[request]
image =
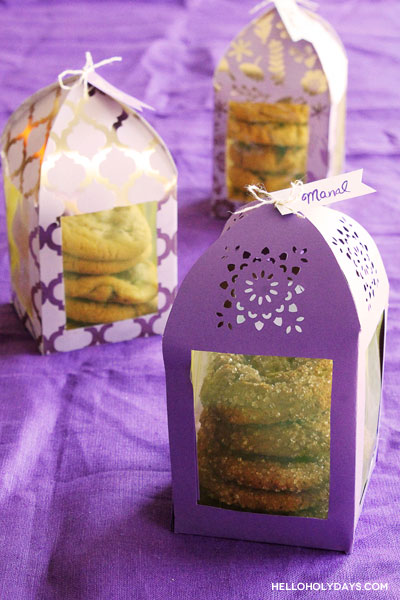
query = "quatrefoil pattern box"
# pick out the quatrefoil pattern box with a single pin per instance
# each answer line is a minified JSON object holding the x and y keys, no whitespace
{"x":274,"y":391}
{"x":92,"y":217}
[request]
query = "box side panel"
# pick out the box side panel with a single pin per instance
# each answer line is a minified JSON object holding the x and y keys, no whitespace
{"x":24,"y":144}
{"x":370,"y":374}
{"x":103,"y":159}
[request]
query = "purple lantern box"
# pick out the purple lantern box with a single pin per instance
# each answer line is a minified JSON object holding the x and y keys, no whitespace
{"x":280,"y":102}
{"x":274,"y":354}
{"x":92,"y":215}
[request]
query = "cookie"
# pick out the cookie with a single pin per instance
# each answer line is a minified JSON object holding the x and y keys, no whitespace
{"x":243,"y":391}
{"x":277,"y":134}
{"x":281,"y":112}
{"x":257,"y":157}
{"x":75,"y":264}
{"x":267,"y":474}
{"x":306,"y":439}
{"x":240,"y":497}
{"x":134,"y":286}
{"x":119,"y":234}
{"x":238,"y":178}
{"x":259,"y":471}
{"x":86,"y":311}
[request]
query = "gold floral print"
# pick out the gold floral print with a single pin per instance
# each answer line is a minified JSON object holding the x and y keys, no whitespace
{"x":307,"y":56}
{"x":263,"y":27}
{"x":283,"y":33}
{"x":276,"y":64}
{"x":223,"y":66}
{"x":253,"y":70}
{"x":240,"y":49}
{"x":314,"y":82}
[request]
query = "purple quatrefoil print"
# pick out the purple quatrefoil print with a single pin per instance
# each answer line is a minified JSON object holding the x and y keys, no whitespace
{"x":43,"y":293}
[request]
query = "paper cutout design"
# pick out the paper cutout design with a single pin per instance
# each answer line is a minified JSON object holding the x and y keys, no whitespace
{"x":64,"y":154}
{"x":266,"y":298}
{"x":351,"y":242}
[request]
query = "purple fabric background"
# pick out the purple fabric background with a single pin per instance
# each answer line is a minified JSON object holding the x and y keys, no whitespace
{"x":85,"y":494}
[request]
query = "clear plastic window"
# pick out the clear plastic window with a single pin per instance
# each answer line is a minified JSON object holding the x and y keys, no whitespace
{"x":267,"y":144}
{"x":373,"y":398}
{"x":110,"y":265}
{"x":263,"y":432}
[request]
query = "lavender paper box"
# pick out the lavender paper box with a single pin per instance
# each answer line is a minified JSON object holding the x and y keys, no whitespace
{"x":65,"y":155}
{"x":320,"y":295}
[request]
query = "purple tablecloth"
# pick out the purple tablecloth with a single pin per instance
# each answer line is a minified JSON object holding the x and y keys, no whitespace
{"x":85,"y":486}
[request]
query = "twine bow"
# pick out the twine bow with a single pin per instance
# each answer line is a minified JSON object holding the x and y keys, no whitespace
{"x":84,"y":73}
{"x":306,"y":3}
{"x":263,"y":197}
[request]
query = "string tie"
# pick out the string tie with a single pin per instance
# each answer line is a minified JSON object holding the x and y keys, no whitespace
{"x":264,"y":197}
{"x":84,"y":73}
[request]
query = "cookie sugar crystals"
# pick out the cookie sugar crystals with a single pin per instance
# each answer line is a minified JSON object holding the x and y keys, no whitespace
{"x":274,"y":390}
{"x":91,"y":212}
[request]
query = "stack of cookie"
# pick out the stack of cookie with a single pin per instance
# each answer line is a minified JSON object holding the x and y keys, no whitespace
{"x":264,"y":439}
{"x":266,"y":144}
{"x":109,"y":272}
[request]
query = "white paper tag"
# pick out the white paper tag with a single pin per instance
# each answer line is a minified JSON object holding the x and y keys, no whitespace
{"x":292,"y":17}
{"x":109,"y":89}
{"x":321,"y":193}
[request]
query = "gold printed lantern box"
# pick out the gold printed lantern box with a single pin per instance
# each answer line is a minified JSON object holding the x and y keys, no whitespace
{"x":91,"y":215}
{"x":280,"y":92}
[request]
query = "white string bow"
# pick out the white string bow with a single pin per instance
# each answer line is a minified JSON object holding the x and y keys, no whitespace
{"x":263,"y":197}
{"x":84,"y":73}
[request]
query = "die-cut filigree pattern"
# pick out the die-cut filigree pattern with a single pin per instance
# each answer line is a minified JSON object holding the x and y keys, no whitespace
{"x":268,"y":299}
